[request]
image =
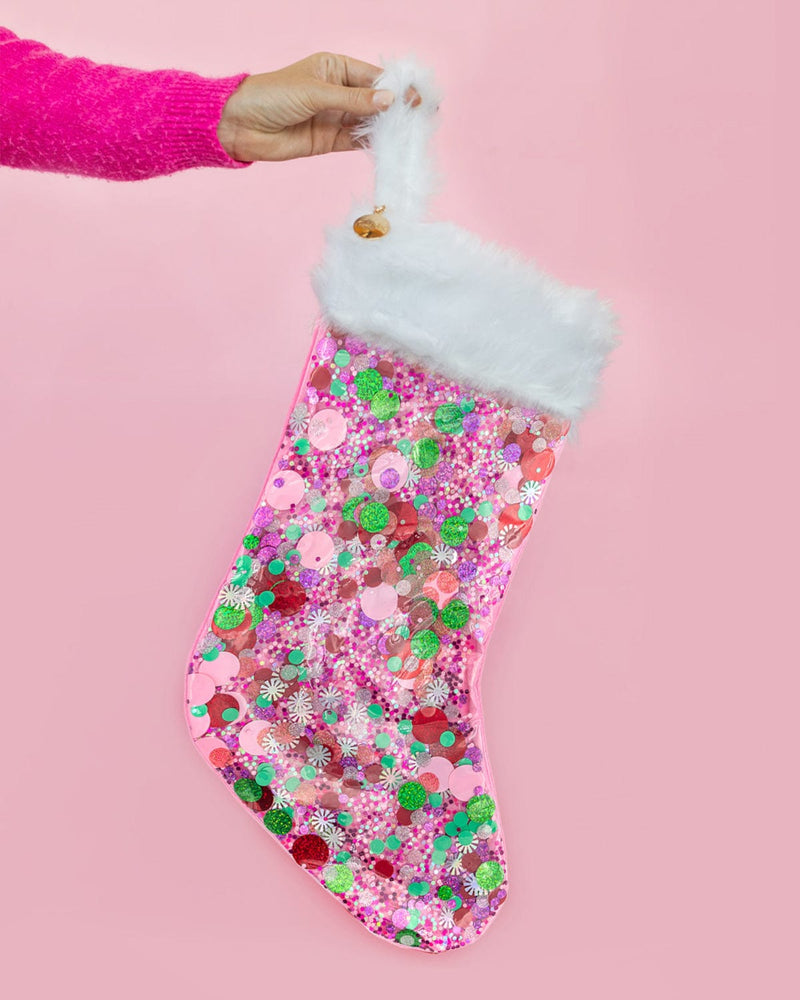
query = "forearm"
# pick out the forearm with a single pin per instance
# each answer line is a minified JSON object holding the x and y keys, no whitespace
{"x":70,"y":115}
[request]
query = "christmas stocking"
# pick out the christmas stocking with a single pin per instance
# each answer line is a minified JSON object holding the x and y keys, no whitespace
{"x":334,"y":686}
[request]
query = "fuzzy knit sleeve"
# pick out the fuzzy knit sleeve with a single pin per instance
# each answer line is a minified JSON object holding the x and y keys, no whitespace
{"x":70,"y":115}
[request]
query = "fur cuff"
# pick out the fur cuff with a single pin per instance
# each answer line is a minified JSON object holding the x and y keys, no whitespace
{"x":438,"y":295}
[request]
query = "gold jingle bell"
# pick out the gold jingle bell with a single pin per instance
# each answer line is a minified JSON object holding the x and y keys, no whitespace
{"x":374,"y":225}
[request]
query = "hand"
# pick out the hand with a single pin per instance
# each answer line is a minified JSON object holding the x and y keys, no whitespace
{"x":302,"y":110}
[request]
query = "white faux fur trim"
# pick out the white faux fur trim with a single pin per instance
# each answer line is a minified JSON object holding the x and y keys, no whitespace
{"x":438,"y":295}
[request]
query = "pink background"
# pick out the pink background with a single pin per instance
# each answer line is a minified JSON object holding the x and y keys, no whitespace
{"x":152,"y":337}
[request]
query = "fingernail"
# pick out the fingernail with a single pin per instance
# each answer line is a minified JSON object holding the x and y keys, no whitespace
{"x":382,"y":99}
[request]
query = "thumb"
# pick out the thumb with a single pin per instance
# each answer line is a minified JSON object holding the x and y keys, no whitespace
{"x":359,"y":101}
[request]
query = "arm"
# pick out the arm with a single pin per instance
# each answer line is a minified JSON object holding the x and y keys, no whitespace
{"x":75,"y":116}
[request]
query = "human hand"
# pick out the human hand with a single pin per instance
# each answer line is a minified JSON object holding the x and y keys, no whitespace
{"x":302,"y":110}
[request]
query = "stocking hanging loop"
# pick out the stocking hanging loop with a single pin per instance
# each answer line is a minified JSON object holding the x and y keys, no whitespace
{"x":398,"y":140}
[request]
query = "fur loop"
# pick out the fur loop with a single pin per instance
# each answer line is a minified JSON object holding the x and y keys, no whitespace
{"x":398,"y":140}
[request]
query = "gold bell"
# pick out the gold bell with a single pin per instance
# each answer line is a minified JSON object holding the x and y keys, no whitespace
{"x":374,"y":225}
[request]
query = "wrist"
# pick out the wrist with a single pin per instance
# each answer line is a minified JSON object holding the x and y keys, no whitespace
{"x":194,"y":112}
{"x":229,"y":124}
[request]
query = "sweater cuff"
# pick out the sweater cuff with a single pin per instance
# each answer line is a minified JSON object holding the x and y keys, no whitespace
{"x":192,"y":111}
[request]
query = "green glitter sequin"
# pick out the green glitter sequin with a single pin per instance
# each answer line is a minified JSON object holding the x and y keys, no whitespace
{"x":425,"y":453}
{"x":489,"y":875}
{"x":278,"y":821}
{"x":454,"y":531}
{"x":368,"y":383}
{"x":338,"y":878}
{"x":480,"y":808}
{"x":385,"y":404}
{"x":247,"y":789}
{"x":425,"y":644}
{"x":455,"y":614}
{"x":411,"y":795}
{"x":228,"y":618}
{"x":374,"y":517}
{"x":449,"y":419}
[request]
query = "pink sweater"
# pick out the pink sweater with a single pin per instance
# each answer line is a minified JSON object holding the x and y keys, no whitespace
{"x":77,"y":117}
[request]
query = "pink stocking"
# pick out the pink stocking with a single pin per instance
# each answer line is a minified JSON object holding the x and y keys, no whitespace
{"x":334,"y":686}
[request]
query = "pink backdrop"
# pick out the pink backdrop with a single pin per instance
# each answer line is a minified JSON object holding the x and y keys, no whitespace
{"x":152,"y":336}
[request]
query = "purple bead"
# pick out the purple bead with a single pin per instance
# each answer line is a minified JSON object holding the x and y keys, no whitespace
{"x":471,"y":423}
{"x":265,"y":630}
{"x":466,"y":571}
{"x":444,"y":472}
{"x":326,"y":348}
{"x":473,"y":754}
{"x":512,"y":452}
{"x":262,"y":517}
{"x":390,"y":478}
